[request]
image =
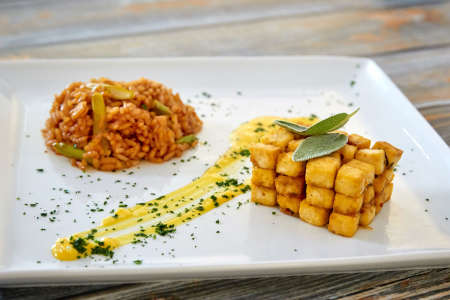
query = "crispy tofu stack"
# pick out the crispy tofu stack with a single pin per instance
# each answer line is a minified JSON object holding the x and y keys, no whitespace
{"x":276,"y":179}
{"x":342,"y":191}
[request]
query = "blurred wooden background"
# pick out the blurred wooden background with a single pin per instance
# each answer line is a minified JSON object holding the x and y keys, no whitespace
{"x":409,"y":39}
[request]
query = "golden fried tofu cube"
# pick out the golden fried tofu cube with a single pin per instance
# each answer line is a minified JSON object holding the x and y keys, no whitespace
{"x":263,"y":195}
{"x":263,"y":177}
{"x":336,"y":155}
{"x":291,"y":202}
{"x":343,"y":224}
{"x":350,"y":181}
{"x":264,"y":156}
{"x":382,"y":180}
{"x":347,"y":152}
{"x":393,"y":154}
{"x":347,"y":205}
{"x":279,"y":137}
{"x":286,"y":166}
{"x":292,"y":146}
{"x":359,"y":141}
{"x":369,"y":194}
{"x":319,"y":197}
{"x":367,"y":214}
{"x":321,"y":172}
{"x":388,"y":192}
{"x":290,"y":185}
{"x":367,"y":168}
{"x":379,"y":201}
{"x":313,"y":215}
{"x":375,"y":157}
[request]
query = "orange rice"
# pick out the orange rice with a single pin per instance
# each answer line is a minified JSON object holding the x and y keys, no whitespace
{"x":134,"y":131}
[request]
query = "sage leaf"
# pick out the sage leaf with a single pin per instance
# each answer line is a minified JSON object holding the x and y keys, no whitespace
{"x":329,"y":124}
{"x":319,"y":145}
{"x":295,"y":128}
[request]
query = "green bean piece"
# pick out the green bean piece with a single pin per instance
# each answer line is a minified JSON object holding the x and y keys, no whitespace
{"x":118,"y":92}
{"x":68,"y":150}
{"x":99,"y":112}
{"x":161,"y":109}
{"x":187,"y":139}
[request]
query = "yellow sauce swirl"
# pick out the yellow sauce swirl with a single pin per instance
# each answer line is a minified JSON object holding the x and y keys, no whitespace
{"x":173,"y":209}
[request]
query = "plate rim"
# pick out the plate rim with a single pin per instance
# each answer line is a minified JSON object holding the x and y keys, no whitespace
{"x":413,"y":259}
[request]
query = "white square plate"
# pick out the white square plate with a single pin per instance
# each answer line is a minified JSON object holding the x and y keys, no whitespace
{"x":411,"y":231}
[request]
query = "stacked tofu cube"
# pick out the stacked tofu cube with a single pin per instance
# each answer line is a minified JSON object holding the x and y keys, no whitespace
{"x":341,"y":191}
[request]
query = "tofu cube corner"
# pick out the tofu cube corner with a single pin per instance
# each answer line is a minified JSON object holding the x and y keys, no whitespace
{"x":359,"y":141}
{"x":319,"y":197}
{"x":280,"y":137}
{"x":264,"y":156}
{"x":367,"y":168}
{"x":382,"y":180}
{"x":375,"y":157}
{"x":393,"y":154}
{"x":292,"y":146}
{"x":313,"y":215}
{"x":263,"y":195}
{"x":290,"y":185}
{"x":263,"y":177}
{"x":286,"y":166}
{"x":347,"y":205}
{"x":350,"y":181}
{"x":343,"y":224}
{"x":367,"y":214}
{"x":321,"y":172}
{"x":347,"y":152}
{"x":291,"y":202}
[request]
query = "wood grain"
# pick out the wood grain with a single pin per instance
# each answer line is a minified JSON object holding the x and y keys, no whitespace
{"x":350,"y":32}
{"x":400,"y":285}
{"x":32,"y":23}
{"x":422,"y":75}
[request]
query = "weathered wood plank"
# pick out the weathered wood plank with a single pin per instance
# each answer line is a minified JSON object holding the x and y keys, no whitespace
{"x":31,"y":23}
{"x":359,"y":32}
{"x":400,"y":284}
{"x":422,"y":75}
{"x":438,"y":114}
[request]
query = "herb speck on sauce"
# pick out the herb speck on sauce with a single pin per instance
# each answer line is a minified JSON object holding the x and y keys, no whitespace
{"x":40,"y":170}
{"x":137,"y":262}
{"x":352,"y":83}
{"x":312,"y":117}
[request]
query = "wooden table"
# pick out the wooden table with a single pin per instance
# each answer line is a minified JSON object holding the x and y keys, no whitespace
{"x":409,"y":39}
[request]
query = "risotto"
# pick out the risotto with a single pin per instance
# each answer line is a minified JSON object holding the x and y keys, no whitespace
{"x":112,"y":125}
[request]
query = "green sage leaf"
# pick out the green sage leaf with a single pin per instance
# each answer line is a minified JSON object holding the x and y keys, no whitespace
{"x":295,"y":128}
{"x":319,"y":145}
{"x":329,"y":124}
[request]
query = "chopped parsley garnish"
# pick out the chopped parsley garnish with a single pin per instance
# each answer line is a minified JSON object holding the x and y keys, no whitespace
{"x":79,"y":244}
{"x":228,"y":182}
{"x":164,"y":229}
{"x":40,"y":170}
{"x":245,"y":152}
{"x":138,"y":262}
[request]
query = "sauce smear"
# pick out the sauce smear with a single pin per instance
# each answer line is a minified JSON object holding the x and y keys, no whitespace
{"x":161,"y":215}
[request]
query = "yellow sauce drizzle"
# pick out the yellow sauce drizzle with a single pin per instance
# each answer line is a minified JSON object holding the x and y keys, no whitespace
{"x":173,"y":209}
